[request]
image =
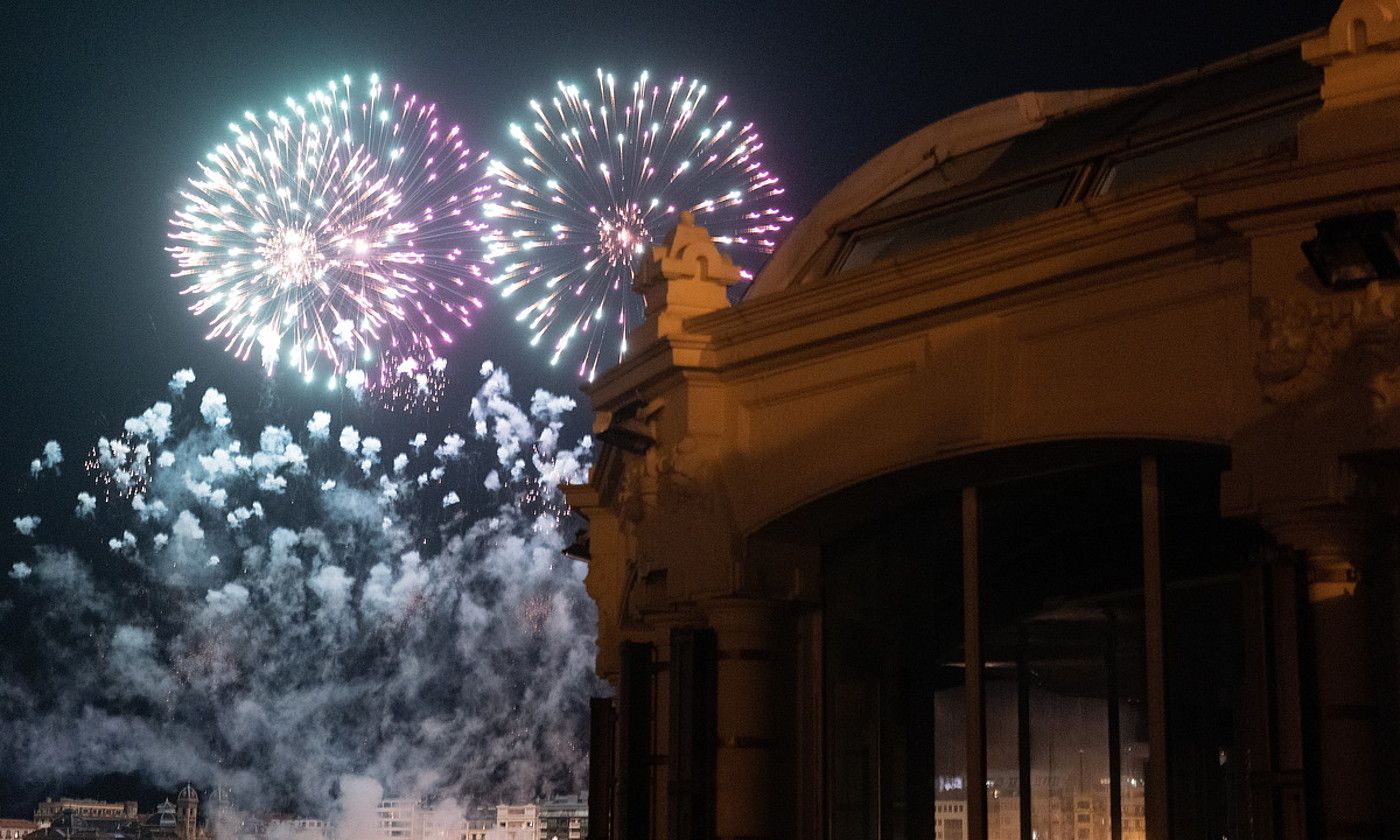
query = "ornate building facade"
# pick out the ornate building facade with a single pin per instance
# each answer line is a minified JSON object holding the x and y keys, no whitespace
{"x":1043,"y":486}
{"x":90,"y":819}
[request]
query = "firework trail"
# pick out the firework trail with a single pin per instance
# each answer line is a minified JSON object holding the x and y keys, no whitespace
{"x":407,"y":384}
{"x":335,"y":230}
{"x":598,"y":182}
{"x":273,"y":612}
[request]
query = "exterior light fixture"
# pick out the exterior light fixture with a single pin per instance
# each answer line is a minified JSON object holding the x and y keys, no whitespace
{"x":578,"y":549}
{"x":628,"y":434}
{"x":1351,"y":251}
{"x":628,"y":428}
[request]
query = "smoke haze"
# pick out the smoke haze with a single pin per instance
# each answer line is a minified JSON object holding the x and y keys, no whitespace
{"x":302,"y":612}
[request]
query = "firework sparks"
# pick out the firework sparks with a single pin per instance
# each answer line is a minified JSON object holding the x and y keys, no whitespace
{"x":335,"y":230}
{"x":120,"y":467}
{"x":535,"y":610}
{"x":598,"y":183}
{"x":409,"y":384}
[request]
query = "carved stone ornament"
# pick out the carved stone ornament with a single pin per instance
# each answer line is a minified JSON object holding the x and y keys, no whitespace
{"x":1307,"y":344}
{"x":686,"y":274}
{"x":670,"y":505}
{"x":1358,"y":53}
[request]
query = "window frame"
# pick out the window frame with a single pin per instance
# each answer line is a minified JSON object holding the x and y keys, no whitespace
{"x":1087,"y":171}
{"x":892,"y":218}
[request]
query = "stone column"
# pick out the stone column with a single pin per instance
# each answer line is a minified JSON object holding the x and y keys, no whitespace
{"x":1335,"y":542}
{"x":746,"y":756}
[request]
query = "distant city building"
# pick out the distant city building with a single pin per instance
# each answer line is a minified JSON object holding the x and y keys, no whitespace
{"x":395,"y":818}
{"x":51,"y":808}
{"x":441,"y":823}
{"x":399,"y":819}
{"x":478,"y":821}
{"x":950,"y":819}
{"x":564,"y":818}
{"x":516,"y":822}
{"x":1063,"y":807}
{"x":16,"y":829}
{"x":90,"y":819}
{"x":187,"y":813}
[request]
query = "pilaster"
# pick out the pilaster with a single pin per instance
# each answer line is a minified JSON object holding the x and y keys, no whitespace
{"x":747,"y":765}
{"x":1335,"y":542}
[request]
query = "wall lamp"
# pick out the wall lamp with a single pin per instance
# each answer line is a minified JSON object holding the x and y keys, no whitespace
{"x":629,"y":427}
{"x":1351,"y":251}
{"x":578,"y":549}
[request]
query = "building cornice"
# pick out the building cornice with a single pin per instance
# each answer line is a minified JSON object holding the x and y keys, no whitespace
{"x":1066,"y":242}
{"x":1301,"y":192}
{"x":986,"y":266}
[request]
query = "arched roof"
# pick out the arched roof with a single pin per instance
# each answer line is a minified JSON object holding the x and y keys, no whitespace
{"x":1081,"y":134}
{"x":953,"y":136}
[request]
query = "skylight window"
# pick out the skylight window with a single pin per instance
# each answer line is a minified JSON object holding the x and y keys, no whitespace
{"x":913,"y":233}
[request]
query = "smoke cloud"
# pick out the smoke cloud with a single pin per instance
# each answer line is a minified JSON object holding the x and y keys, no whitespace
{"x":311,"y":621}
{"x":26,"y":524}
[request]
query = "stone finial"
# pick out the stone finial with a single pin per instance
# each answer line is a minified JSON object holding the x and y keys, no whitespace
{"x":1359,"y":54}
{"x":683,"y":277}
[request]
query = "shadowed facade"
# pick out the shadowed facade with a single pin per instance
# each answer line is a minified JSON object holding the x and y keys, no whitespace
{"x":1042,"y":486}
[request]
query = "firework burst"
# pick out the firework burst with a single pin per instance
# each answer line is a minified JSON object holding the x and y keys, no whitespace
{"x":599,"y":181}
{"x":335,"y":230}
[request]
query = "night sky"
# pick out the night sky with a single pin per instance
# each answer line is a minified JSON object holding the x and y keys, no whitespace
{"x":106,"y":110}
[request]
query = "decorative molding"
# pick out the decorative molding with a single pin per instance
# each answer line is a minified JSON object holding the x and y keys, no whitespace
{"x":1301,"y":341}
{"x":681,"y":278}
{"x":1307,"y":344}
{"x":1358,"y":53}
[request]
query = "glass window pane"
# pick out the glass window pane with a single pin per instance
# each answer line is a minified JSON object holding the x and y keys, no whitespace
{"x":1221,"y":90}
{"x":902,"y":237}
{"x":894,"y":678}
{"x":951,"y":173}
{"x":1003,"y":774}
{"x":1250,"y":141}
{"x":1203,"y":557}
{"x":1062,"y":634}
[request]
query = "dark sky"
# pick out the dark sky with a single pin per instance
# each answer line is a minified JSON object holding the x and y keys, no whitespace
{"x":106,"y":107}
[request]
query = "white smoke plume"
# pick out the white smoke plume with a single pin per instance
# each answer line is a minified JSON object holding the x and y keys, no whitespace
{"x":53,"y":455}
{"x":319,"y":426}
{"x":310,"y":625}
{"x":180,"y":381}
{"x":49,"y":460}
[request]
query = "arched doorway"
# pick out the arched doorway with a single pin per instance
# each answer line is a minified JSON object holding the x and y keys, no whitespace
{"x":1071,"y":627}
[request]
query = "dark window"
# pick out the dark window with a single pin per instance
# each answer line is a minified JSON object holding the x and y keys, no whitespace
{"x":950,"y":173}
{"x":1212,"y":571}
{"x":1253,"y":140}
{"x":1061,"y":617}
{"x":601,"y":766}
{"x":634,"y":742}
{"x":911,"y":234}
{"x":693,"y":734}
{"x":894,"y":676}
{"x":1062,"y":631}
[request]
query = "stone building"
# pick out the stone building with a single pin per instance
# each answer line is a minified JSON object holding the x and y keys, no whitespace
{"x":564,"y":818}
{"x":50,"y":808}
{"x":1056,"y":450}
{"x":12,"y":829}
{"x":87,"y":819}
